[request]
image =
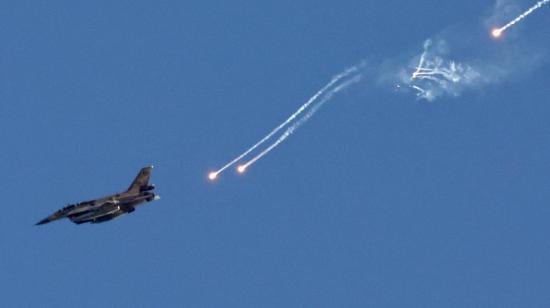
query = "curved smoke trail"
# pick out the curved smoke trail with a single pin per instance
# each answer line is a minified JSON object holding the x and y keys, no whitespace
{"x":293,"y":116}
{"x":301,"y":121}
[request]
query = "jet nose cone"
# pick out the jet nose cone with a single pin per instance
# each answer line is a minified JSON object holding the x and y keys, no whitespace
{"x":43,"y":221}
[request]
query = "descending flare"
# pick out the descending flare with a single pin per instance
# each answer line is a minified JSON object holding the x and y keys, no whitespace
{"x":333,"y":82}
{"x":212,"y":176}
{"x":498,"y":32}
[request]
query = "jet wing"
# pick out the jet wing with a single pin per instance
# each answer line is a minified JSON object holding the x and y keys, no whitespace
{"x":105,"y":209}
{"x":141,"y":180}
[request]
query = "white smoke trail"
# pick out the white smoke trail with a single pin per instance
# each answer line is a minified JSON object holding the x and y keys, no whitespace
{"x":293,"y":116}
{"x":440,"y":70}
{"x":434,"y":75}
{"x":420,"y":66}
{"x":499,"y":31}
{"x":289,"y":131}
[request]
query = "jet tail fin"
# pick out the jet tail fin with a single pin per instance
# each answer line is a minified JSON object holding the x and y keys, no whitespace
{"x":141,"y":180}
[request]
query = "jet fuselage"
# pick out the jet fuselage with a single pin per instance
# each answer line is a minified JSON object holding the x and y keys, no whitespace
{"x":109,"y":207}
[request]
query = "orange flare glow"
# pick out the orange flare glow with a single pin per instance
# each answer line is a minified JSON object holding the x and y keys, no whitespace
{"x":212,"y":176}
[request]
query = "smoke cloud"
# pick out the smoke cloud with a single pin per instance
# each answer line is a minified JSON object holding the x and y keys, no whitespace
{"x":467,"y":58}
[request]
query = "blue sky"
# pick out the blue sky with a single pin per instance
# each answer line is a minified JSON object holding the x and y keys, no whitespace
{"x":380,"y":200}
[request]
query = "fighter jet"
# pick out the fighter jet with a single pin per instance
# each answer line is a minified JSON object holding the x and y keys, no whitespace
{"x":110,"y":207}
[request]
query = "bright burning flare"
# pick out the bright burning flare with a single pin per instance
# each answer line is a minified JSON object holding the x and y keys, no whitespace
{"x":241,"y":168}
{"x":496,"y":33}
{"x":212,"y":176}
